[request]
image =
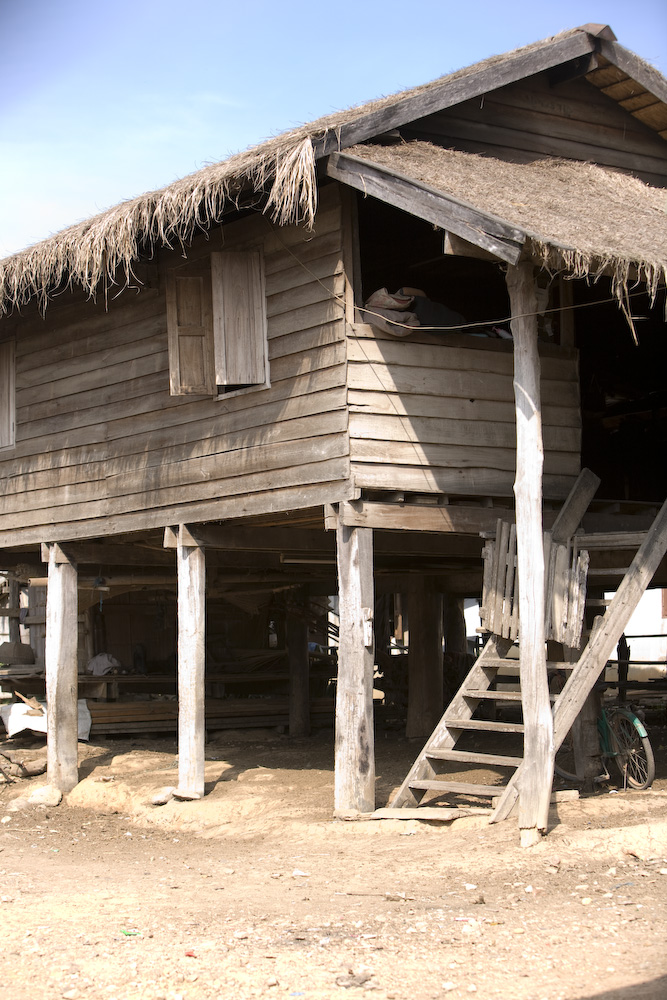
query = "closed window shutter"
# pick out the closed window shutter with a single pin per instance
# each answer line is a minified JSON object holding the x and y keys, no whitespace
{"x":7,"y":408}
{"x":239,"y":319}
{"x":190,"y":327}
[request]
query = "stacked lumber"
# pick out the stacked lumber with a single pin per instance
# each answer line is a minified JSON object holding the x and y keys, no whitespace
{"x":160,"y":716}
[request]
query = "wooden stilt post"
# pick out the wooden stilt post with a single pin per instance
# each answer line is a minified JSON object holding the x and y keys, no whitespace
{"x":354,"y":774}
{"x":191,"y":570}
{"x":537,"y":774}
{"x":299,"y":668}
{"x":457,"y":664}
{"x":14,"y":627}
{"x":425,"y":678}
{"x":62,"y":748}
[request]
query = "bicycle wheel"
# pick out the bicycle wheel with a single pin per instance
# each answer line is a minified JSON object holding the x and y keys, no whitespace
{"x":564,"y":765}
{"x":633,"y":752}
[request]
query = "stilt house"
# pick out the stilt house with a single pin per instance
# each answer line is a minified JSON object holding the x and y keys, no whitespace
{"x":355,"y":344}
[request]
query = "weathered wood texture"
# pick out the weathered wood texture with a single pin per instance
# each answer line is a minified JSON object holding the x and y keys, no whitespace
{"x":440,"y":417}
{"x":354,"y":776}
{"x":537,"y":777}
{"x":61,"y":674}
{"x":532,"y":119}
{"x":101,"y":444}
{"x":191,"y":570}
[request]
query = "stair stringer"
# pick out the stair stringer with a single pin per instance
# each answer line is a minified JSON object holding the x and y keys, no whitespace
{"x":600,"y":647}
{"x":479,"y":677}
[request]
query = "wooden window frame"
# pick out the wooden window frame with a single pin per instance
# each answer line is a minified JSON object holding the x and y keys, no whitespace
{"x":7,"y":395}
{"x":222,"y":326}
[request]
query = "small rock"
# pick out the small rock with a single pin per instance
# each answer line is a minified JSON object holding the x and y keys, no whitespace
{"x":47,"y":795}
{"x":272,"y":981}
{"x":354,"y":979}
{"x":163,"y":796}
{"x":448,"y":986}
{"x":586,"y":901}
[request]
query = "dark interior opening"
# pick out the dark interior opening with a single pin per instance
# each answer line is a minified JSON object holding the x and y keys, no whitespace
{"x":623,"y":393}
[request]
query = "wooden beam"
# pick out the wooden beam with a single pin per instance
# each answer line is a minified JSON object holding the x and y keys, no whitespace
{"x":570,"y":515}
{"x":296,"y":633}
{"x":425,"y":202}
{"x":354,"y":770}
{"x":62,"y":748}
{"x":191,"y":571}
{"x":453,"y":90}
{"x":643,"y":73}
{"x":425,"y":670}
{"x":537,"y":774}
{"x":13,"y":598}
{"x":236,"y":538}
{"x":454,"y":246}
{"x":97,"y":554}
{"x":462,"y":520}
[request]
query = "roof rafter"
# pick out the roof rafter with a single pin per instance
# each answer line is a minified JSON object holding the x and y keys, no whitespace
{"x":425,"y":202}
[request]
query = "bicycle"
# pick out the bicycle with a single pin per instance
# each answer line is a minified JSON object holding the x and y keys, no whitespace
{"x":623,"y":739}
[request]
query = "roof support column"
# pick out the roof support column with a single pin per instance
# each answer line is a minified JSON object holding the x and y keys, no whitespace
{"x":354,"y":770}
{"x":191,"y":572}
{"x":62,"y":746}
{"x":537,"y":773}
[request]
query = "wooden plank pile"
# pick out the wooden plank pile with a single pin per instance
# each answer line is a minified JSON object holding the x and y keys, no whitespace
{"x":161,"y":716}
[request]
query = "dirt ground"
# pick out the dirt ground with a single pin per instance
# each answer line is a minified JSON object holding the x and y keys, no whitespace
{"x":256,"y":892}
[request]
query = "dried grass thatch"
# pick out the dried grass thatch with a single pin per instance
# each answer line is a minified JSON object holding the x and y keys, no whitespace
{"x":582,"y":218}
{"x":281,"y":171}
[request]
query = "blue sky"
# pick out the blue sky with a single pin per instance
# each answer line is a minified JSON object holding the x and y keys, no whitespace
{"x":101,"y":102}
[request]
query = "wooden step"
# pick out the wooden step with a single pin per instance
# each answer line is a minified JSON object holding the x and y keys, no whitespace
{"x":470,"y":757}
{"x":481,"y":724}
{"x":479,"y":694}
{"x":498,"y":662}
{"x":462,"y":787}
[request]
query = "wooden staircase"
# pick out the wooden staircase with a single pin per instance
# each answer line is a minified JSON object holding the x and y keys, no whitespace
{"x":500,"y":652}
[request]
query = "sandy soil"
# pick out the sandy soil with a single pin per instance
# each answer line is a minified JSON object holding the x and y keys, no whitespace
{"x":256,"y":892}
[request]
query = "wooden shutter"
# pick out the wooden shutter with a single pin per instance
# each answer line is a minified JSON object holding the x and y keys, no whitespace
{"x":190,"y":328}
{"x":7,"y":407}
{"x":239,"y":319}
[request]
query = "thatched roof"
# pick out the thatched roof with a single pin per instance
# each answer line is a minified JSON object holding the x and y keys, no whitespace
{"x":280,"y":171}
{"x":580,"y":217}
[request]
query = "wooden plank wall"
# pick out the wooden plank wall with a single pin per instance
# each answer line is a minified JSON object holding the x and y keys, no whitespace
{"x":533,"y":119}
{"x":440,"y":417}
{"x":102,"y":446}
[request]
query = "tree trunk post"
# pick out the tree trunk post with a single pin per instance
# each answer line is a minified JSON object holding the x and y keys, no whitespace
{"x":537,"y":774}
{"x":425,"y":659}
{"x":61,"y":670}
{"x":191,"y":572}
{"x":354,"y":770}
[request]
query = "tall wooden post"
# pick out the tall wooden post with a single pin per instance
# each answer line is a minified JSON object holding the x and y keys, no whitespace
{"x":456,"y":644}
{"x":537,"y":773}
{"x":60,"y":654}
{"x":299,"y":668}
{"x":13,"y":605}
{"x":425,"y":662}
{"x":191,"y":570}
{"x":354,"y":772}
